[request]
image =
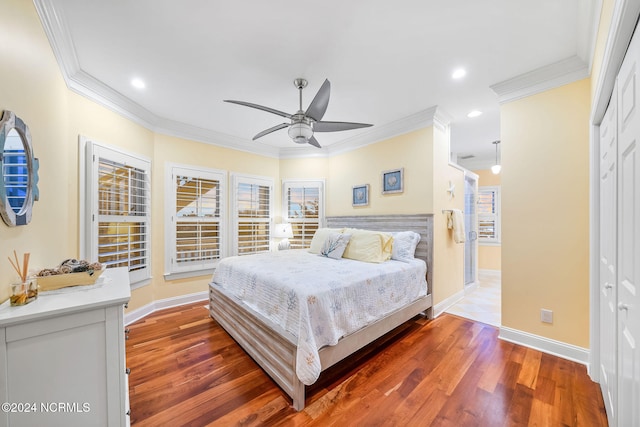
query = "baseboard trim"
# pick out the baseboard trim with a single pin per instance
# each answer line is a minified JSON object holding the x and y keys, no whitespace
{"x":471,"y":287}
{"x":490,"y":272}
{"x":142,"y":312}
{"x":546,"y":345}
{"x":444,"y":305}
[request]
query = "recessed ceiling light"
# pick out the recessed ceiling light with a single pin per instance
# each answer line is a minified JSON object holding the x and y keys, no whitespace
{"x":138,"y":83}
{"x":474,"y":113}
{"x":459,"y":73}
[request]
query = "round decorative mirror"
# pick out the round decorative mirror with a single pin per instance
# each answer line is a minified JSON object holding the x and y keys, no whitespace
{"x":18,"y":187}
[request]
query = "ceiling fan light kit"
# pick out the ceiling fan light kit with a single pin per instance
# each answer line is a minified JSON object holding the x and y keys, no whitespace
{"x":304,"y":123}
{"x":300,"y":132}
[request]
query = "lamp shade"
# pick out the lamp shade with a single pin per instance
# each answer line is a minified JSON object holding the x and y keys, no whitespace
{"x":300,"y":132}
{"x":496,"y":168}
{"x":283,"y":231}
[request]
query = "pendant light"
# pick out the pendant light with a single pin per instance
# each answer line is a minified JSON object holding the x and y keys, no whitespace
{"x":496,"y":168}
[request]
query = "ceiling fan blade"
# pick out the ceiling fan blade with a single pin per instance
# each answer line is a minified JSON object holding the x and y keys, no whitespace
{"x":320,"y":102}
{"x":313,"y":141}
{"x":271,"y":129}
{"x":337,"y":126}
{"x":260,"y":107}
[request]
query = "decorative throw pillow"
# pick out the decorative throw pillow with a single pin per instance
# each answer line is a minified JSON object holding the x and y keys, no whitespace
{"x":319,"y":238}
{"x":335,"y":245}
{"x":368,"y":246}
{"x":404,"y":245}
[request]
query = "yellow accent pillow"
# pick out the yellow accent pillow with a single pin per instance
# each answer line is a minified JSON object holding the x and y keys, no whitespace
{"x":368,"y":246}
{"x":319,"y":237}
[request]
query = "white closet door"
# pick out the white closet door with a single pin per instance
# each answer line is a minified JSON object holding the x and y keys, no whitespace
{"x":629,"y":238}
{"x":608,"y":295}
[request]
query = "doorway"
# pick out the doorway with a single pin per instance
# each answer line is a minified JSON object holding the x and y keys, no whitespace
{"x":471,"y":227}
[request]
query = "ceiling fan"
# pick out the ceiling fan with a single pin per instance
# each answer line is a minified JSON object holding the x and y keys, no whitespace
{"x":305,"y":123}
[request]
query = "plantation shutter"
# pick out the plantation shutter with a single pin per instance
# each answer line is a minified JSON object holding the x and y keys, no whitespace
{"x":198,"y":215}
{"x":121,"y":221}
{"x":303,"y":207}
{"x":253,"y":215}
{"x":488,"y":214}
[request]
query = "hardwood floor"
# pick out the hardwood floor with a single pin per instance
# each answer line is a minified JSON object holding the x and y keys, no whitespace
{"x":450,"y":371}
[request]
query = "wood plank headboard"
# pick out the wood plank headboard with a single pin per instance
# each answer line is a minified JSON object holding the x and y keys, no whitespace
{"x":420,"y":223}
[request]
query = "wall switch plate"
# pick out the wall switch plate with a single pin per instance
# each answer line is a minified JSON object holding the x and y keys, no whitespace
{"x":546,"y":316}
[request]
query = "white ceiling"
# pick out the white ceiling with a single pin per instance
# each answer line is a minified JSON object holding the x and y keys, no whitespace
{"x":388,"y":62}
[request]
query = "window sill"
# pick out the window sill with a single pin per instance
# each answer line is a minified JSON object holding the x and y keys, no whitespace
{"x":188,"y":274}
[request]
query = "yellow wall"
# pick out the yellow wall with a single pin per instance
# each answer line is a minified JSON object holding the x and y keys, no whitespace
{"x":307,"y":168}
{"x":32,"y":88}
{"x":487,"y":178}
{"x":545,"y":213}
{"x":489,"y":256}
{"x":424,"y":156}
{"x":412,"y":151}
{"x":168,"y":149}
{"x":448,"y":256}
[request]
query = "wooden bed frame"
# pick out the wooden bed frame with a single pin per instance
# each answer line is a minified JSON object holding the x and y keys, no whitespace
{"x":274,"y":349}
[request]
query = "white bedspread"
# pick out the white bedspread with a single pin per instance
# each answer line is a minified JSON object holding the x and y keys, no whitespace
{"x":317,"y":299}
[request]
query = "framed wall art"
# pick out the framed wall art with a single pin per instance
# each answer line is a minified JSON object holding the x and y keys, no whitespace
{"x":393,"y":181}
{"x":360,"y":195}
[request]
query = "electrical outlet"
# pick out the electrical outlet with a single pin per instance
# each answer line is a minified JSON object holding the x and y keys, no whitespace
{"x":546,"y":316}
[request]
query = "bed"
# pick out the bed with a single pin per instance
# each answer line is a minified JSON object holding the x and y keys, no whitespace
{"x":291,"y":341}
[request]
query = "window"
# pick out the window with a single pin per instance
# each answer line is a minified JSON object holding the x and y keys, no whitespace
{"x":303,"y":207}
{"x":489,"y":215}
{"x":195,"y":218}
{"x":252,"y":213}
{"x":117,"y":210}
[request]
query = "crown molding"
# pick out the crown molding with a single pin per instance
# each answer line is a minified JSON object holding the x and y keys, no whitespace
{"x":85,"y":84}
{"x":542,"y":79}
{"x":79,"y":81}
{"x":194,"y":133}
{"x":441,"y":120}
{"x":57,"y":31}
{"x":431,"y":116}
{"x":302,"y":152}
{"x":378,"y":133}
{"x":588,"y":26}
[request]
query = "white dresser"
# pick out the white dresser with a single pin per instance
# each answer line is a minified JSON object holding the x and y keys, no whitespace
{"x":62,"y":358}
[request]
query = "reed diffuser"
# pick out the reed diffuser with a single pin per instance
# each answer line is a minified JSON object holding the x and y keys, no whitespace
{"x":27,"y":290}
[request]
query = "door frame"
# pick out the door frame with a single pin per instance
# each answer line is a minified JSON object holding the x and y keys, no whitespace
{"x":623,"y":23}
{"x":471,"y":285}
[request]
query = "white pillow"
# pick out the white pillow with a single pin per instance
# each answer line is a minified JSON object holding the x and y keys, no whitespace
{"x":319,"y":238}
{"x":404,"y":245}
{"x":335,"y":245}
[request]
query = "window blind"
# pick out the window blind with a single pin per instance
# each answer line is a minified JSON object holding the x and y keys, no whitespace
{"x":123,"y":211}
{"x":488,"y":214}
{"x":303,"y":206}
{"x":253,"y":217}
{"x":197,"y":221}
